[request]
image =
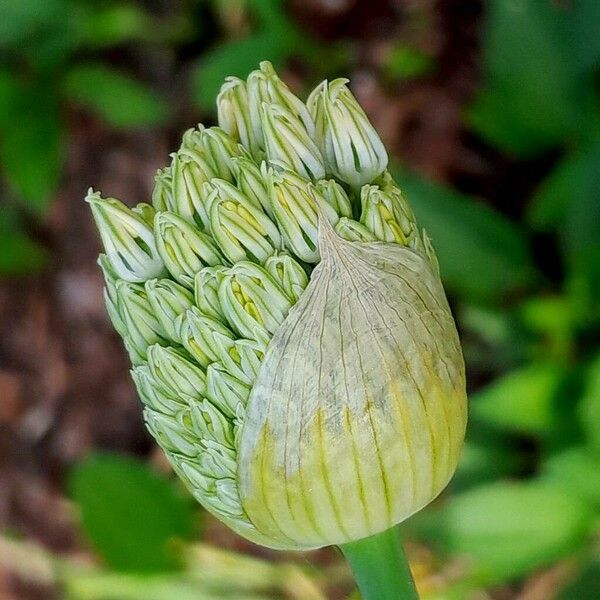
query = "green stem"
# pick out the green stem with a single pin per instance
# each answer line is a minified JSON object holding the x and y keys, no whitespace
{"x":380,"y":567}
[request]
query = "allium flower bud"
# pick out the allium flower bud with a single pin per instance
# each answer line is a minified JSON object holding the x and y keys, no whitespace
{"x":352,"y":149}
{"x":300,"y":369}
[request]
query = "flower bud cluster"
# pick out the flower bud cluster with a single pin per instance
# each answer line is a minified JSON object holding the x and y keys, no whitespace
{"x":198,"y":283}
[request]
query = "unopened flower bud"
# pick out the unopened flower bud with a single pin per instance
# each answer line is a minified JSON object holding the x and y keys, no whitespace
{"x":206,"y":291}
{"x":252,"y":182}
{"x":184,"y":248}
{"x":228,"y":393}
{"x":288,"y":273}
{"x":162,"y":193}
{"x":175,"y":373}
{"x":353,"y":231}
{"x":152,"y":394}
{"x":335,"y":196}
{"x":110,"y":295}
{"x":168,"y":300}
{"x":351,"y":147}
{"x":287,"y":143}
{"x":128,"y":239}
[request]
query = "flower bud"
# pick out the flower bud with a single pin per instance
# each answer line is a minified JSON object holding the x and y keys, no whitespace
{"x":350,"y":145}
{"x":213,"y":146}
{"x":168,"y":300}
{"x":174,"y":373}
{"x":288,"y":145}
{"x":152,"y":394}
{"x":206,"y":291}
{"x":264,"y":86}
{"x":252,"y":302}
{"x":128,"y":240}
{"x":252,"y":182}
{"x":184,"y":249}
{"x":228,"y":393}
{"x":335,"y":196}
{"x":211,"y":424}
{"x":353,"y":231}
{"x":241,"y":229}
{"x":288,"y":273}
{"x":110,"y":295}
{"x":234,"y":114}
{"x":169,"y":434}
{"x":142,"y":326}
{"x":294,"y":204}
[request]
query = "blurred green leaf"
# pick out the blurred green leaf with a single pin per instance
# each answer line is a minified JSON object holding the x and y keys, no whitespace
{"x":586,"y":585}
{"x":405,"y":62}
{"x":481,"y":253}
{"x":522,"y":401}
{"x":532,"y":99}
{"x":110,"y":25}
{"x":589,"y":406}
{"x":584,"y":27}
{"x":18,"y":253}
{"x":120,"y":100}
{"x":507,"y":529}
{"x":131,"y":515}
{"x":31,"y":144}
{"x":576,"y":470}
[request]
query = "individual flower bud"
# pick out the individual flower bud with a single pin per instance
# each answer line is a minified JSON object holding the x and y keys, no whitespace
{"x":353,"y":231}
{"x":152,"y":394}
{"x":288,"y":145}
{"x":234,"y":114}
{"x":146,"y":211}
{"x":295,"y":207}
{"x":241,"y":229}
{"x":142,"y":325}
{"x":350,"y":145}
{"x":384,"y":215}
{"x":189,"y":176}
{"x":162,"y":193}
{"x":335,"y":196}
{"x":169,"y":433}
{"x":264,"y":85}
{"x":288,"y":273}
{"x":227,"y":392}
{"x":206,"y":291}
{"x":168,"y":300}
{"x":110,"y":295}
{"x":128,"y":240}
{"x":185,"y":249}
{"x":211,"y":424}
{"x":175,"y":373}
{"x":252,"y":302}
{"x":251,"y":180}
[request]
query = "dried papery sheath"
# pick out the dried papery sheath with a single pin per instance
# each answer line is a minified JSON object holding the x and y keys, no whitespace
{"x":290,"y":338}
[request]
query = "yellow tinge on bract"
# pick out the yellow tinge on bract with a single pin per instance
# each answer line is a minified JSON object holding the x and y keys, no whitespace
{"x":289,"y":334}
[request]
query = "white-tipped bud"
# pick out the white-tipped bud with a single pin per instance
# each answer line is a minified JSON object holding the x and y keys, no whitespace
{"x":351,"y":147}
{"x":288,"y":273}
{"x":353,"y":231}
{"x":206,"y":291}
{"x":168,"y":300}
{"x":128,"y":239}
{"x":335,"y":196}
{"x":252,"y":182}
{"x":184,"y":248}
{"x":287,"y":143}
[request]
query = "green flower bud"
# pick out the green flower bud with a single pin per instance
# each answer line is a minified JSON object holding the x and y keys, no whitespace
{"x":335,"y":196}
{"x":353,"y":231}
{"x":264,"y":86}
{"x":206,"y":291}
{"x":350,"y":145}
{"x":252,"y":182}
{"x":128,"y":240}
{"x":168,"y":300}
{"x":295,"y":207}
{"x":253,"y":303}
{"x":287,"y":143}
{"x":234,"y":114}
{"x":184,"y":249}
{"x":141,"y":323}
{"x":188,"y":178}
{"x":174,"y":373}
{"x":241,"y":229}
{"x":311,"y":392}
{"x":213,"y":146}
{"x":288,"y":273}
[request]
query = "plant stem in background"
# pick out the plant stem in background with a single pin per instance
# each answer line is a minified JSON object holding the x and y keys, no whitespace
{"x":380,"y":567}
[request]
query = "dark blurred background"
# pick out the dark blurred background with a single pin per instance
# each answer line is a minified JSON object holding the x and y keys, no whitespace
{"x":491,"y":112}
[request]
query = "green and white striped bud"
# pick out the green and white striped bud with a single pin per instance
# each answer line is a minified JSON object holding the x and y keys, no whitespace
{"x":352,"y":149}
{"x":128,"y":239}
{"x":265,"y":86}
{"x":287,"y":143}
{"x":234,"y":114}
{"x":241,"y":230}
{"x":168,"y":300}
{"x":290,"y":359}
{"x":295,"y":205}
{"x":184,"y":248}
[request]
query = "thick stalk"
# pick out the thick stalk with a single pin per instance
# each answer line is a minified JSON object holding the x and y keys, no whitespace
{"x":380,"y":567}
